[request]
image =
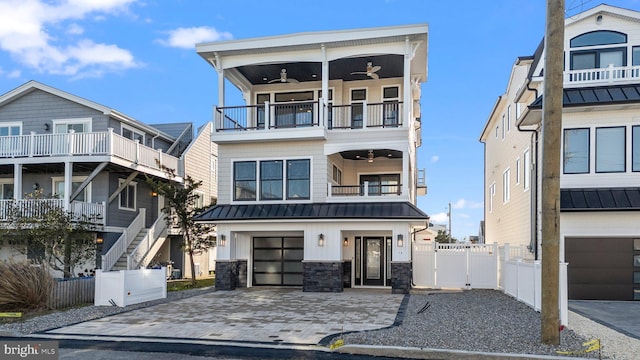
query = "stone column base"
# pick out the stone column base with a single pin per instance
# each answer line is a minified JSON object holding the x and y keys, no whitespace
{"x":321,"y":276}
{"x":227,"y":274}
{"x":400,"y":277}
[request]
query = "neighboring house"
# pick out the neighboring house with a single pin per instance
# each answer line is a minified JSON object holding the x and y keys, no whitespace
{"x":92,"y":160}
{"x":600,"y":158}
{"x":317,"y":172}
{"x":430,"y":233}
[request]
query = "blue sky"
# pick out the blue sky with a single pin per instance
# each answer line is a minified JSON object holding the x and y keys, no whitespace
{"x":138,"y":57}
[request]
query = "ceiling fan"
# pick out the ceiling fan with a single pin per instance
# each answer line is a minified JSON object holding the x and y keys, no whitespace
{"x":283,"y":78}
{"x":371,"y":71}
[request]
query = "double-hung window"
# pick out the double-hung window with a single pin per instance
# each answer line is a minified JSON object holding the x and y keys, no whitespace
{"x":271,"y":180}
{"x":298,"y":179}
{"x":576,"y":151}
{"x":10,"y":129}
{"x":506,"y":186}
{"x":244,"y":178}
{"x":610,"y":149}
{"x":128,"y":196}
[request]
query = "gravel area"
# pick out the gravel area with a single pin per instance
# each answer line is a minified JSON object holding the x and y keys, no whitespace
{"x":477,"y":320}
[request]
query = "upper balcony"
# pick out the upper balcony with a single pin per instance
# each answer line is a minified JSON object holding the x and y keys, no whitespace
{"x":302,"y":119}
{"x":87,"y":147}
{"x":610,"y":75}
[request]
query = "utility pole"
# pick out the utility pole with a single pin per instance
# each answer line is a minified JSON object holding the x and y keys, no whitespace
{"x":551,"y":129}
{"x":449,"y":216}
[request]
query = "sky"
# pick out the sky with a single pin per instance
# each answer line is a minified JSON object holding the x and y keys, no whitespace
{"x":138,"y":56}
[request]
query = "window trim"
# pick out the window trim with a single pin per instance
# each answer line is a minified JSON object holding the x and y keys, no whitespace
{"x":133,"y":131}
{"x":336,"y":169}
{"x":597,"y":52}
{"x":626,"y":38}
{"x":492,"y":194}
{"x":6,"y":181}
{"x":526,"y":163}
{"x":233,"y":179}
{"x":286,"y":186}
{"x":135,"y":195}
{"x":75,"y":179}
{"x":10,"y":124}
{"x":624,"y":152}
{"x":87,"y":121}
{"x":281,"y":179}
{"x":504,"y":127}
{"x":201,"y":196}
{"x":633,"y":160}
{"x":506,"y":185}
{"x":509,"y":118}
{"x":564,"y":133}
{"x":518,"y":174}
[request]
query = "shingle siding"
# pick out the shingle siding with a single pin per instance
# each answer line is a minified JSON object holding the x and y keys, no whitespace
{"x":197,"y":162}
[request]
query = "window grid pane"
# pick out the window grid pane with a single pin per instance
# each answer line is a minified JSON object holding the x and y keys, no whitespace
{"x":298,"y":176}
{"x":635,"y":151}
{"x":576,"y":151}
{"x":244,"y":173}
{"x":610,"y":149}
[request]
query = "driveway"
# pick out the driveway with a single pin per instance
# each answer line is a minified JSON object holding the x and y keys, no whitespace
{"x":622,"y":316}
{"x":285,"y":316}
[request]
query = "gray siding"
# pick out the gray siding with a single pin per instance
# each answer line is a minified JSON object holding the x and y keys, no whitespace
{"x":122,"y":218}
{"x":38,"y":107}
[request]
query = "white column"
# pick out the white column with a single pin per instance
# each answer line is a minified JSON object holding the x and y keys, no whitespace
{"x":17,"y":181}
{"x":68,"y":178}
{"x":405,"y":175}
{"x":406,"y":85}
{"x":325,"y":86}
{"x":220,"y":81}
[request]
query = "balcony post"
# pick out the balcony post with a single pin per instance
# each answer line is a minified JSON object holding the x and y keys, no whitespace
{"x":160,"y":159}
{"x":68,"y":178}
{"x":329,"y":190}
{"x":110,"y":140}
{"x":610,"y":73}
{"x":137,"y":159}
{"x":70,"y":138}
{"x":406,"y":84}
{"x":267,"y":115}
{"x":17,"y":181}
{"x":365,"y":114}
{"x":366,"y":189}
{"x":32,"y":143}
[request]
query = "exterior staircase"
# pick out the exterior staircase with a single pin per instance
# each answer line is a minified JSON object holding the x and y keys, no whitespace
{"x":121,"y":264}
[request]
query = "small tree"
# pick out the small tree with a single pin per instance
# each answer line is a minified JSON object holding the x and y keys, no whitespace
{"x":180,"y":208}
{"x":51,"y":234}
{"x":443,"y":237}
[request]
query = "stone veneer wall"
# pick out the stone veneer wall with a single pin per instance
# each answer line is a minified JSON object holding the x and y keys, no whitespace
{"x":400,"y":277}
{"x":231,"y":274}
{"x":322,"y":276}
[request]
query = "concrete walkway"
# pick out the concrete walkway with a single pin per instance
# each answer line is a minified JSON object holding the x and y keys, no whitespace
{"x":257,"y":315}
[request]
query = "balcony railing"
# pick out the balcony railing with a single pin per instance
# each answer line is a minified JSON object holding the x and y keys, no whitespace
{"x":299,"y":114}
{"x":366,"y":189}
{"x":93,"y":213}
{"x":610,"y":74}
{"x":84,"y":144}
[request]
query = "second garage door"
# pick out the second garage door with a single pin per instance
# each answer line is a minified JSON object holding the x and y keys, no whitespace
{"x":600,"y":268}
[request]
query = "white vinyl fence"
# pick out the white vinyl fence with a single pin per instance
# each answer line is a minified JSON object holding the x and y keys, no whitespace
{"x":127,"y":287}
{"x":484,"y":266}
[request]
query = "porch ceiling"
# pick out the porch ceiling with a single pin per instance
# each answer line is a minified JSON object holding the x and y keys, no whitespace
{"x":391,"y":66}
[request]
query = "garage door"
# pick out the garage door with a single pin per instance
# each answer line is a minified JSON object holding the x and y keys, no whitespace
{"x":277,"y":261}
{"x":602,"y":268}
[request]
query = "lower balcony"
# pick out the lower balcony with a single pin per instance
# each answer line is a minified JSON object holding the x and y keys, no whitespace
{"x":92,"y":213}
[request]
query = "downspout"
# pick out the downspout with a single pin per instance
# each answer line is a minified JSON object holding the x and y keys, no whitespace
{"x":153,"y":139}
{"x":533,"y":243}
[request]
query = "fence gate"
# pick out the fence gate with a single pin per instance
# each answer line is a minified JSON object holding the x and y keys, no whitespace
{"x":469,"y":266}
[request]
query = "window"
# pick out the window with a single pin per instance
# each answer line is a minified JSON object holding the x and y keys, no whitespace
{"x":598,"y":58}
{"x":506,"y":186}
{"x":132,"y":134}
{"x":383,"y":184}
{"x":260,"y":115}
{"x":635,"y":148}
{"x":517,"y":171}
{"x":636,"y":56}
{"x":358,"y":97}
{"x":492,"y":193}
{"x":509,"y":118}
{"x":128,"y":196}
{"x":77,"y":125}
{"x":518,"y":110}
{"x":390,"y":97}
{"x":527,"y":168}
{"x":610,"y":149}
{"x":6,"y":189}
{"x":293,"y":115}
{"x":337,"y":175}
{"x":271,"y":180}
{"x":199,"y":203}
{"x":497,"y":131}
{"x":58,"y":188}
{"x":504,"y":127}
{"x":601,"y":37}
{"x":10,"y":129}
{"x":244,"y":178}
{"x":298,"y":179}
{"x":576,"y":151}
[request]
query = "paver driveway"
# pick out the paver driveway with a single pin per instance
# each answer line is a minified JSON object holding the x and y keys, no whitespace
{"x":252,"y":315}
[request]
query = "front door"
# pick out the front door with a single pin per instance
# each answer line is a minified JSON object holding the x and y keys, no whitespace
{"x":373,"y":261}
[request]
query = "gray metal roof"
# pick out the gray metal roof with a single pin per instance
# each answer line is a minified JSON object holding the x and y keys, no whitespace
{"x":598,"y":199}
{"x":600,"y":95}
{"x":376,"y":210}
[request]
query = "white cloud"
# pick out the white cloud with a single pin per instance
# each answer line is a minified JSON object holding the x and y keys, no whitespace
{"x":462,"y":216}
{"x":466,"y":204}
{"x":25,"y":33}
{"x":434,"y":159}
{"x":14,"y":74}
{"x":439,"y":218}
{"x":187,"y":38}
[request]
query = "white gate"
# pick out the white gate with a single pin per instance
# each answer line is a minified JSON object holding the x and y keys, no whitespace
{"x":455,"y":266}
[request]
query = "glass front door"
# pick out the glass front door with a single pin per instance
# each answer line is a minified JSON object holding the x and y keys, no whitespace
{"x":372,"y":261}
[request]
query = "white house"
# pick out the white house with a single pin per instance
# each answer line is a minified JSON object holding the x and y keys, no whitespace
{"x":317,"y":171}
{"x":600,"y":196}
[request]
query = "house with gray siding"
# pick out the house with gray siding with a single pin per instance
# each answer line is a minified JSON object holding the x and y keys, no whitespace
{"x":91,"y":160}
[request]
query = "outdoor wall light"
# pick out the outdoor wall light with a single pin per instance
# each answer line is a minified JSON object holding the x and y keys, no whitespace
{"x":99,"y":240}
{"x":36,"y":186}
{"x":400,"y":240}
{"x":345,"y":243}
{"x":223,"y":240}
{"x":46,"y":127}
{"x":321,"y":239}
{"x":154,"y":193}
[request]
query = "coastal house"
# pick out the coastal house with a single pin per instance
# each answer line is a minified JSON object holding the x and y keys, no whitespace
{"x":90,"y":160}
{"x":600,"y":157}
{"x":318,"y":175}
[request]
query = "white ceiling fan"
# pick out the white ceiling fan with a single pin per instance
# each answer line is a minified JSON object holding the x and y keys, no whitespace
{"x":371,"y":71}
{"x":283,"y":78}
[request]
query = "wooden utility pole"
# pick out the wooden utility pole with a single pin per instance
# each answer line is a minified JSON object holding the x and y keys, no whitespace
{"x":551,"y":130}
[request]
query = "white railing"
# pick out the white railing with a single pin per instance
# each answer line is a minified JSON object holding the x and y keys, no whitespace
{"x":93,"y":213}
{"x":610,"y":74}
{"x":138,"y":257}
{"x":120,"y":246}
{"x":82,"y":144}
{"x":364,"y":190}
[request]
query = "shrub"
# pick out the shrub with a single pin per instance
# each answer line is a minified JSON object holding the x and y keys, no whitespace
{"x":24,"y":286}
